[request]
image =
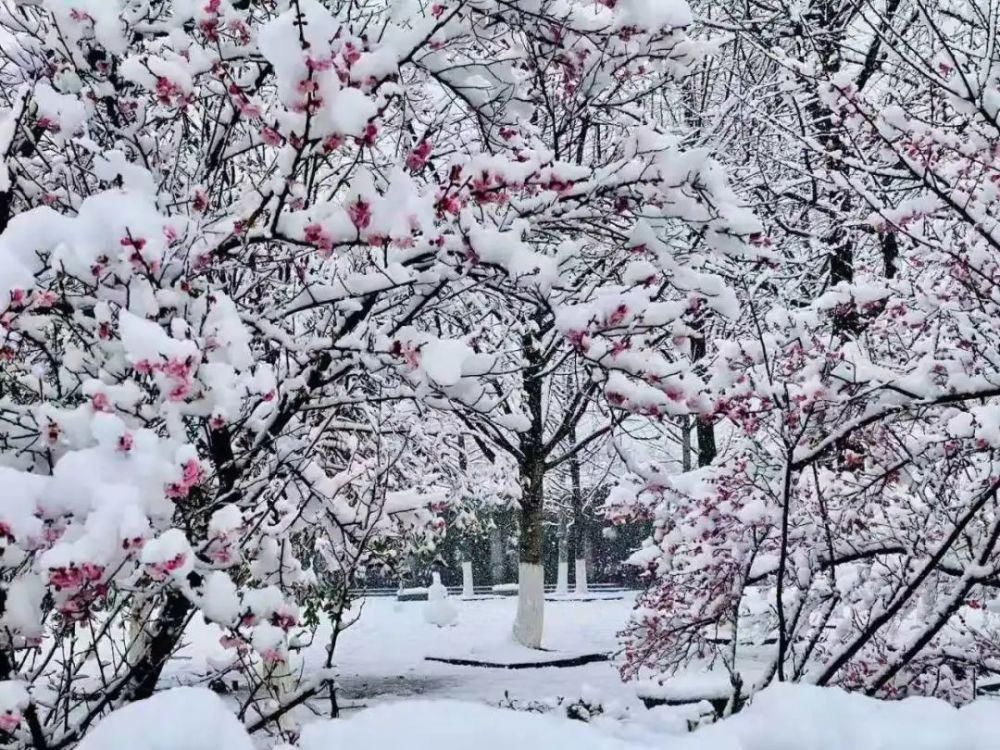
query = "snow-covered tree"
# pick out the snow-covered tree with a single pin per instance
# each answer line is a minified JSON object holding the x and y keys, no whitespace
{"x":853,"y":517}
{"x":580,"y":217}
{"x":211,"y":229}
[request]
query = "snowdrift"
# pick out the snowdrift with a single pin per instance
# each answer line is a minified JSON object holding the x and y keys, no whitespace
{"x":783,"y":717}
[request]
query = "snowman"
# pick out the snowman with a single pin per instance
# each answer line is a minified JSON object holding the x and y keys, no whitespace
{"x":439,"y":611}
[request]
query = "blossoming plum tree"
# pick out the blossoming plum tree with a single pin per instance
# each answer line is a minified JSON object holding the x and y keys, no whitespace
{"x":852,"y":520}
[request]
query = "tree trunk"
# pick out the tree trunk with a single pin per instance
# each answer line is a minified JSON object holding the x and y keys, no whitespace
{"x":530,"y":617}
{"x":579,"y":526}
{"x":468,"y":587}
{"x":684,"y":422}
{"x":580,"y":572}
{"x":138,"y":635}
{"x":562,"y":580}
{"x":530,"y":574}
{"x":498,"y":553}
{"x":170,"y":626}
{"x":704,"y":429}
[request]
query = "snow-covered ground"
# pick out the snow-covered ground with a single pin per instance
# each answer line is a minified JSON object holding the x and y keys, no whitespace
{"x":394,"y":697}
{"x":382,"y":656}
{"x":783,"y":717}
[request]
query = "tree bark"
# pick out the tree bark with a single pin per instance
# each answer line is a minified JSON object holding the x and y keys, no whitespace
{"x":530,"y":617}
{"x":579,"y":526}
{"x":704,"y":428}
{"x":498,"y":556}
{"x":562,"y":579}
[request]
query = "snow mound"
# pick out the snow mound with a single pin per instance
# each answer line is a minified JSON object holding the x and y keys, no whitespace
{"x":805,"y":717}
{"x":453,"y":725}
{"x":181,"y":718}
{"x":782,"y":717}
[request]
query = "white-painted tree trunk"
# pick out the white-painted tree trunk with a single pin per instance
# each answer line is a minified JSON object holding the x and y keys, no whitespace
{"x":138,"y":635}
{"x":581,"y":576}
{"x":562,"y":581}
{"x":468,"y":588}
{"x":276,"y":687}
{"x":530,"y":605}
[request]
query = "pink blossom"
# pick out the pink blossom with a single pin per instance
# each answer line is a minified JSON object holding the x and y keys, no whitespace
{"x":618,"y":316}
{"x":159,"y":571}
{"x":199,"y":202}
{"x":192,"y":472}
{"x":448,"y":204}
{"x":175,"y":563}
{"x":307,"y":86}
{"x":361,"y":213}
{"x":409,"y":353}
{"x":44,"y":300}
{"x":176,"y":491}
{"x":313,"y":63}
{"x":66,"y":578}
{"x":579,"y":340}
{"x":179,"y":392}
{"x":91,"y":572}
{"x":231,"y":641}
{"x":52,"y":533}
{"x":99,"y":402}
{"x":417,"y":159}
{"x":210,"y":28}
{"x":249,"y":110}
{"x":270,"y":136}
{"x":284,"y":620}
{"x":133,"y":545}
{"x":179,"y":369}
{"x":168,"y":92}
{"x":332,"y":143}
{"x":9,"y":721}
{"x":370,"y":134}
{"x":351,"y":54}
{"x":272,"y":656}
{"x":315,"y":235}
